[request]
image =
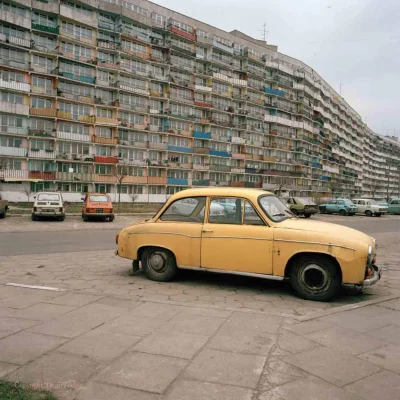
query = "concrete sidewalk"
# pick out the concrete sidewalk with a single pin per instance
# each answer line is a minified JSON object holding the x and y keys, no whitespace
{"x":87,"y":346}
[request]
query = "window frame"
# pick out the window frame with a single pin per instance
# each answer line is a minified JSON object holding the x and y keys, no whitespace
{"x":206,"y":202}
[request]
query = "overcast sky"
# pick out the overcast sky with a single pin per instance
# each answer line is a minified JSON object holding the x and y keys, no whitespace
{"x":352,"y":43}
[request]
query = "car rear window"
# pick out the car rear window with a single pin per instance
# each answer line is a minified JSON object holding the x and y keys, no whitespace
{"x":305,"y":201}
{"x":99,"y":198}
{"x":48,"y":197}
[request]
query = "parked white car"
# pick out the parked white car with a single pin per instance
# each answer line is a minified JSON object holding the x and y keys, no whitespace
{"x":48,"y":204}
{"x":369,"y":207}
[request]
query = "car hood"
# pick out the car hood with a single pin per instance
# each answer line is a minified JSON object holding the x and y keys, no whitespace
{"x":334,"y":233}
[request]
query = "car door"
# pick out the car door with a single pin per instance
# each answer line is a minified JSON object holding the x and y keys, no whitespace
{"x":239,"y":242}
{"x":331,"y":206}
{"x":178,"y":229}
{"x":361,"y":206}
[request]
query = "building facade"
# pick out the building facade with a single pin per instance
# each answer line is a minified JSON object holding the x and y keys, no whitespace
{"x":91,"y":89}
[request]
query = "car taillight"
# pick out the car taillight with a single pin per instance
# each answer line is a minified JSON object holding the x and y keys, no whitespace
{"x":111,"y":210}
{"x":116,"y":239}
{"x":61,"y":209}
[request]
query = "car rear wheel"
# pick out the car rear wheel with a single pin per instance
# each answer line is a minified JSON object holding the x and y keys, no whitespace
{"x":343,"y":212}
{"x":85,"y":218}
{"x":158,"y":264}
{"x":3,"y":215}
{"x":368,"y":213}
{"x":110,"y":219}
{"x":34,"y":217}
{"x":315,"y":277}
{"x":322,"y":210}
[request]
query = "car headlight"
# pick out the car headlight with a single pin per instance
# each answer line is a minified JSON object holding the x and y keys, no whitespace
{"x":370,"y":255}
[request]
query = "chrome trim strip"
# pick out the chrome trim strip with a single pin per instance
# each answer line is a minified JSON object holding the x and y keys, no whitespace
{"x":324,"y":244}
{"x":163,"y":233}
{"x":227,"y":271}
{"x":199,"y":237}
{"x":236,"y":237}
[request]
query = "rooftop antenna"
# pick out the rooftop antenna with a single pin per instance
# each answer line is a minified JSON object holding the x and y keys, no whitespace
{"x":264,"y":32}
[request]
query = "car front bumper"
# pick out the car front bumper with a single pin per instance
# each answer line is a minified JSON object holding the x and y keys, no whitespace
{"x":372,"y":279}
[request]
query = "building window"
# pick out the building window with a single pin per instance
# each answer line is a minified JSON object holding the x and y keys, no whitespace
{"x":103,"y":169}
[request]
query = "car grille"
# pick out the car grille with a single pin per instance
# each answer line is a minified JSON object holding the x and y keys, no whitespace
{"x":41,"y":203}
{"x":54,"y":204}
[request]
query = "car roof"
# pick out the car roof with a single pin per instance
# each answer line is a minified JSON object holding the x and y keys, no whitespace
{"x":220,"y":191}
{"x":97,"y":194}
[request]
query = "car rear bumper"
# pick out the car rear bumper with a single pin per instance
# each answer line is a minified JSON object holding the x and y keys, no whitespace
{"x":372,"y":279}
{"x":94,"y":215}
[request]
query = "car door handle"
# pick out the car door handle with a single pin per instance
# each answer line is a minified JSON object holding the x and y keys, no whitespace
{"x":207,"y":230}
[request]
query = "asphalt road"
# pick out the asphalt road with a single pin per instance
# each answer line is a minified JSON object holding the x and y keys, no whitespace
{"x":101,"y":237}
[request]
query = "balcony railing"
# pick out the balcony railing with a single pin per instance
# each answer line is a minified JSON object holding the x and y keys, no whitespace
{"x":20,"y":86}
{"x":74,"y":177}
{"x":13,"y":151}
{"x":44,"y":112}
{"x":78,"y":137}
{"x":103,"y":140}
{"x":176,"y":181}
{"x":13,"y":129}
{"x":106,"y":160}
{"x":45,"y":28}
{"x":36,"y":153}
{"x":14,"y":108}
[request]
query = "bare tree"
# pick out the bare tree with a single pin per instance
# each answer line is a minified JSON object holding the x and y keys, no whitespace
{"x":133,"y":197}
{"x":334,"y":186}
{"x":281,"y":183}
{"x":120,"y":173}
{"x":28,"y":192}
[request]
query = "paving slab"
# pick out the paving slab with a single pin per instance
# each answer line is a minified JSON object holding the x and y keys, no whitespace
{"x":25,"y":300}
{"x":252,"y":321}
{"x":102,"y":391}
{"x":389,"y":333}
{"x":26,"y":346}
{"x":196,"y":390}
{"x":74,"y":300}
{"x":302,"y":328}
{"x":79,"y":321}
{"x":345,"y":340}
{"x":43,"y":311}
{"x":277,"y":372}
{"x":56,"y":369}
{"x":196,"y":324}
{"x":332,"y":366}
{"x":226,"y":368}
{"x":157,"y":310}
{"x":174,"y":344}
{"x":293,"y":343}
{"x":387,"y":357}
{"x":384,"y":385}
{"x":13,"y":325}
{"x":310,"y":388}
{"x":6,"y":368}
{"x":100,"y":345}
{"x":141,"y":371}
{"x":133,"y":325}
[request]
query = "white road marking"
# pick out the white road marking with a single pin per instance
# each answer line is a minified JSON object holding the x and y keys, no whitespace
{"x":54,"y":289}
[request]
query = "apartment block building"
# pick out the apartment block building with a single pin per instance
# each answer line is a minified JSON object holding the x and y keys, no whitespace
{"x":92,"y":87}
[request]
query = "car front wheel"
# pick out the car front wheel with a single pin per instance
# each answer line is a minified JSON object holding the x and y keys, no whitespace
{"x":307,"y":215}
{"x":158,"y":264}
{"x":343,"y":212}
{"x":315,"y":278}
{"x":368,"y":213}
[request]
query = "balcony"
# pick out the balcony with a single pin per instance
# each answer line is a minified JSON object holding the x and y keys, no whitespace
{"x":201,"y":167}
{"x":157,"y":180}
{"x":13,"y":129}
{"x":180,"y":149}
{"x":158,"y":146}
{"x":44,"y":112}
{"x":176,"y":181}
{"x":238,"y":140}
{"x":22,"y":87}
{"x":13,"y":175}
{"x":106,"y":121}
{"x":13,"y":151}
{"x":132,"y":89}
{"x":220,"y":153}
{"x":19,"y":41}
{"x":79,"y":16}
{"x":128,"y":161}
{"x":202,"y":104}
{"x":202,"y":135}
{"x":74,"y":177}
{"x":203,"y":88}
{"x":239,"y":156}
{"x":42,"y":90}
{"x":103,"y":140}
{"x":220,"y":168}
{"x":182,"y":33}
{"x":45,"y":28}
{"x":15,"y":19}
{"x":274,"y":92}
{"x":105,"y":160}
{"x":201,"y":150}
{"x":48,"y":6}
{"x":12,"y":108}
{"x":42,"y":175}
{"x":41,"y":133}
{"x":77,"y":137}
{"x":36,"y":153}
{"x":201,"y":182}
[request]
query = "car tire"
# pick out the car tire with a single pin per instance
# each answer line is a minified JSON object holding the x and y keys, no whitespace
{"x":110,"y":219}
{"x":368,"y":213}
{"x":307,"y":215}
{"x":159,"y":264}
{"x":85,"y":218}
{"x":62,"y":218}
{"x":315,"y":277}
{"x":34,"y":217}
{"x":342,"y":212}
{"x":3,"y":215}
{"x":378,"y":215}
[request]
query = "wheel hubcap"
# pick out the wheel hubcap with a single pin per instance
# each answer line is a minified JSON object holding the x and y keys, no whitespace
{"x":314,"y":277}
{"x":157,"y":262}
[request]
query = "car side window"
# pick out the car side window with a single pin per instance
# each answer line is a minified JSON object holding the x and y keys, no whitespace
{"x":226,"y":211}
{"x":189,"y":209}
{"x":332,"y":202}
{"x":250,"y":215}
{"x":341,"y":202}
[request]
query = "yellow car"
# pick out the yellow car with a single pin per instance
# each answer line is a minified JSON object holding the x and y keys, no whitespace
{"x":262,"y":238}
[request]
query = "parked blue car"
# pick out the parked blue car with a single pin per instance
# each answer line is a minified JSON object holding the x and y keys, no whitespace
{"x":338,"y":206}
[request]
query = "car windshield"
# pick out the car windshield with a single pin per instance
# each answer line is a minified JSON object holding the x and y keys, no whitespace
{"x":48,"y":197}
{"x":305,"y":200}
{"x":99,"y":198}
{"x":274,"y":208}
